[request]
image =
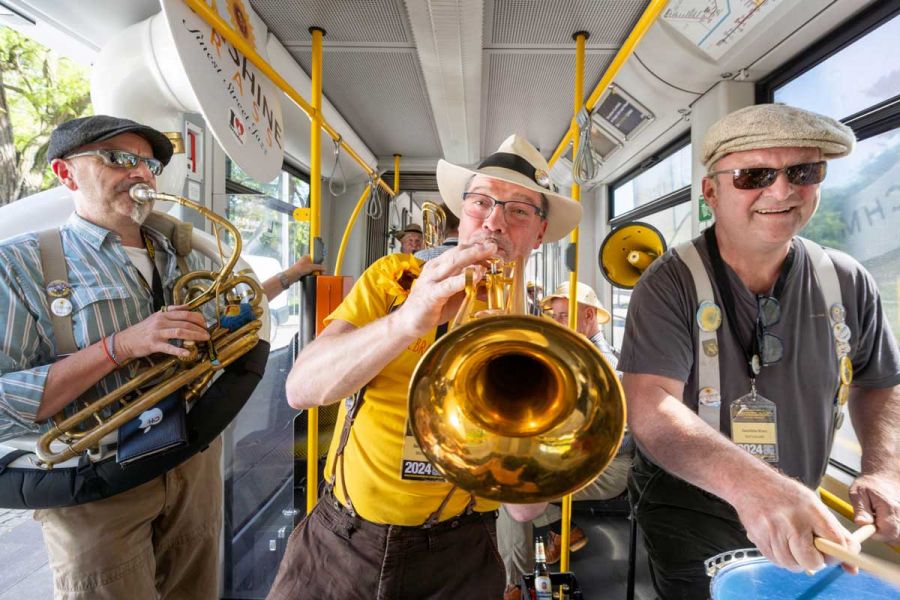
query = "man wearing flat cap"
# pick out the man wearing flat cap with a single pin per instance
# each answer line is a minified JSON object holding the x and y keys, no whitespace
{"x":160,"y":538}
{"x":741,"y":348}
{"x":387,"y":520}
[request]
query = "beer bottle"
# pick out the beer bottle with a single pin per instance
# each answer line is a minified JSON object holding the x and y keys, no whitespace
{"x":542,"y":586}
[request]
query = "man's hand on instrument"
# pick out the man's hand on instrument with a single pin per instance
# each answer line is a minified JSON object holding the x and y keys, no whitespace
{"x":155,"y":333}
{"x":435,"y":296}
{"x":876,"y":499}
{"x":782,"y":517}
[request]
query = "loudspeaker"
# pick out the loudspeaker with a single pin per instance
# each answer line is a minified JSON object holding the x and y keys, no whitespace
{"x":627,"y":251}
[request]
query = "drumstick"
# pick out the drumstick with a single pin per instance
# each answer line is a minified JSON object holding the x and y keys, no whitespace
{"x":876,"y":566}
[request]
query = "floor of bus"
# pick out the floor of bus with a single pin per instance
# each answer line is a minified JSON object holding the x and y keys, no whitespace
{"x":601,"y":566}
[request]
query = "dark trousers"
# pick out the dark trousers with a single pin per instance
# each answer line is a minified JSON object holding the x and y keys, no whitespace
{"x":682,"y":526}
{"x":334,"y":555}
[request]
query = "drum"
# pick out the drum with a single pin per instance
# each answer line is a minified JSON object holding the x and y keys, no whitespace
{"x":745,"y":574}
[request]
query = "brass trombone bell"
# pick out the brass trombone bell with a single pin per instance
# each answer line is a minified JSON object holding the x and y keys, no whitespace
{"x":516,"y":408}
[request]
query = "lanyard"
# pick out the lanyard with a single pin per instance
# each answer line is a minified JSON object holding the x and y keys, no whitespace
{"x":159,"y":298}
{"x":751,"y":350}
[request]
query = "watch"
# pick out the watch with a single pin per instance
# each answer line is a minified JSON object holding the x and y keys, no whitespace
{"x":285,"y":282}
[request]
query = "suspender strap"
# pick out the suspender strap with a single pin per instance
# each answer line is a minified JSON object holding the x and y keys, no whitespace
{"x":709,"y":404}
{"x":825,"y":273}
{"x":354,"y":403}
{"x":53,"y":264}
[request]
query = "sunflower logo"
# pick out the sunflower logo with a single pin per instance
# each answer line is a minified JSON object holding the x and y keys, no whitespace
{"x":397,"y":275}
{"x":241,"y":20}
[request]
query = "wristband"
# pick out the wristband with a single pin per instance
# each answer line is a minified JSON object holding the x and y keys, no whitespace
{"x":105,"y":343}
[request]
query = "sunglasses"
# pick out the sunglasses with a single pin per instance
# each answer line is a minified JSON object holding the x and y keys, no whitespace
{"x":771,"y":348}
{"x":755,"y":178}
{"x":122,"y":159}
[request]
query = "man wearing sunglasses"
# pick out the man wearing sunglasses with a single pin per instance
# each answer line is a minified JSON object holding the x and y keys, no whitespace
{"x":160,"y":538}
{"x":741,"y":348}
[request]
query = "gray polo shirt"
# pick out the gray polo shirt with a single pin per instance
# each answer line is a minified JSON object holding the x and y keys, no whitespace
{"x":661,"y":336}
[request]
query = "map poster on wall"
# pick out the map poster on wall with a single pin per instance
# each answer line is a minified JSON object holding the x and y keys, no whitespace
{"x":715,"y":26}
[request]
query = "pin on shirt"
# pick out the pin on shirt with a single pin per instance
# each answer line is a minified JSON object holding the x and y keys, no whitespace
{"x":709,"y":316}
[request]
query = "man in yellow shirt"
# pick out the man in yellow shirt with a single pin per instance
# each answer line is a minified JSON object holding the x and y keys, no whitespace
{"x":388,"y":525}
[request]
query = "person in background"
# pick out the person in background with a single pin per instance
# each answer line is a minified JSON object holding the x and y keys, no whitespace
{"x":790,"y":331}
{"x":274,"y":285}
{"x":410,"y":239}
{"x":534,"y":293}
{"x":450,"y":237}
{"x":516,"y":539}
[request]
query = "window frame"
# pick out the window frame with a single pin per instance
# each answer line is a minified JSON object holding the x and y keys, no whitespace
{"x":661,"y":203}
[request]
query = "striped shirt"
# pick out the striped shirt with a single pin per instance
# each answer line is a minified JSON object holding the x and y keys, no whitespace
{"x":429,"y":253}
{"x":108,"y":295}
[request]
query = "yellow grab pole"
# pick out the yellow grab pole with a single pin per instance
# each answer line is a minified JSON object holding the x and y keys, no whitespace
{"x":315,"y":204}
{"x":396,"y":174}
{"x":349,"y":227}
{"x":212,"y":18}
{"x":578,"y":99}
{"x":647,"y":19}
{"x":315,"y":139}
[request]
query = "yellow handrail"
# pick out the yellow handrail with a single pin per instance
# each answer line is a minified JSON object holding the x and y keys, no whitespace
{"x":348,"y":228}
{"x":577,"y":103}
{"x":212,"y":18}
{"x":647,"y":19}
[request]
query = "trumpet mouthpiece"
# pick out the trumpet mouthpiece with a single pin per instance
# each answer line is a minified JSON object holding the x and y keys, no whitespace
{"x":141,"y":193}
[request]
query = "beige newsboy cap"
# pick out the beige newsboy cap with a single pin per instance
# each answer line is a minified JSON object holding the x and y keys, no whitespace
{"x":584,"y":294}
{"x":776,"y":126}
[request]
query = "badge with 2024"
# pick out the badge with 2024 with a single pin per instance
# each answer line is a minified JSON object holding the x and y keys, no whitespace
{"x":754,"y":426}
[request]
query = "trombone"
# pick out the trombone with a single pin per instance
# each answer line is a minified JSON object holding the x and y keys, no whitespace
{"x":513,"y":407}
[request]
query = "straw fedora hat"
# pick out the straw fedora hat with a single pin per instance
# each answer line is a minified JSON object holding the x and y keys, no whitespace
{"x":584,"y":294}
{"x":515,"y":161}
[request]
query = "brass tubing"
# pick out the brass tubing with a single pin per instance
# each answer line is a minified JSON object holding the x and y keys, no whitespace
{"x":212,"y":18}
{"x":640,"y":29}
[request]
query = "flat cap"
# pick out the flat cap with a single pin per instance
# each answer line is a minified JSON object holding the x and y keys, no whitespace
{"x":776,"y":126}
{"x":73,"y":134}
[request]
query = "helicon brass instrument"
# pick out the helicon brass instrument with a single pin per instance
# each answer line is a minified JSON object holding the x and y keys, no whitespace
{"x":434,"y":222}
{"x":82,"y":431}
{"x":513,"y":407}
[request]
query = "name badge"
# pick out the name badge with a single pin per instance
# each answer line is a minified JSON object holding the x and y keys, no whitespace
{"x":414,"y":465}
{"x":754,"y":426}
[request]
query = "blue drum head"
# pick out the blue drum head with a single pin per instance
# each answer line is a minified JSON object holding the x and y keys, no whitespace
{"x":759,"y":579}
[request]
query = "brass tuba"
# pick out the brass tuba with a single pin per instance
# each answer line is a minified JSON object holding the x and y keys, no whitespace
{"x":83,"y":431}
{"x":434,"y":222}
{"x":512,"y":407}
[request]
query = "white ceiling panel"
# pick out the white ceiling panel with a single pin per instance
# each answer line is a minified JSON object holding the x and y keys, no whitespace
{"x":539,"y":88}
{"x":344,"y":21}
{"x":382,"y":96}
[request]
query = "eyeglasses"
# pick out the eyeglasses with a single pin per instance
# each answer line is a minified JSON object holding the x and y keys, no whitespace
{"x":756,"y":178}
{"x":480,"y":206}
{"x":122,"y":159}
{"x":771,"y":348}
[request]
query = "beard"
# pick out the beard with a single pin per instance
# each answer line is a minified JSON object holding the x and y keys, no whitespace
{"x":138,"y":212}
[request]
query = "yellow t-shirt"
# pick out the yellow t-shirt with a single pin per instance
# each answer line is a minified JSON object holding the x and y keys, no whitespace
{"x":373,"y":455}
